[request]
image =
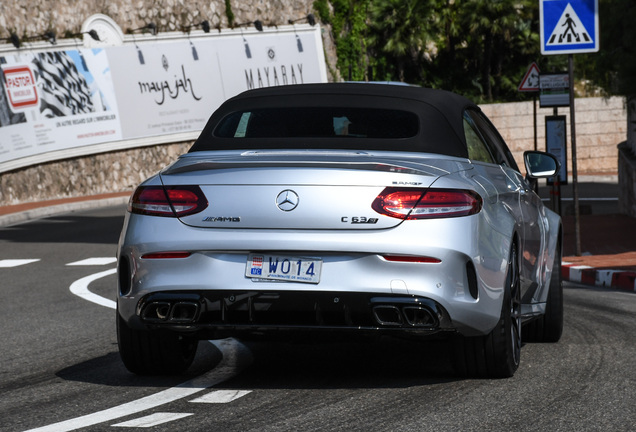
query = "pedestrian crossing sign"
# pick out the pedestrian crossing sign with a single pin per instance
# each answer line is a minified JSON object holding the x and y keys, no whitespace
{"x":569,"y":26}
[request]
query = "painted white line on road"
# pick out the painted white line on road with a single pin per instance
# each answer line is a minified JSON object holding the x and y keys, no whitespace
{"x":234,"y":354}
{"x":80,"y":288}
{"x":221,"y":396}
{"x":6,"y":263}
{"x":153,"y":420}
{"x":93,"y":261}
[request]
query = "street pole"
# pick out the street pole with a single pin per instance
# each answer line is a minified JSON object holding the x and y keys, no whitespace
{"x":534,"y":114}
{"x":575,"y":185}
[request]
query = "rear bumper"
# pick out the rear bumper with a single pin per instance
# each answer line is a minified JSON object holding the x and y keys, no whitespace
{"x":466,"y":284}
{"x":229,"y":313}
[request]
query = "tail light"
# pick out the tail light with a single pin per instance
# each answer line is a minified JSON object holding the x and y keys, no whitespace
{"x":412,"y":259}
{"x":416,"y":203}
{"x":169,"y":201}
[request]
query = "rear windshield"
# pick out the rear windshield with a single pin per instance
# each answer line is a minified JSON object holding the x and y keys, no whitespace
{"x":318,"y":122}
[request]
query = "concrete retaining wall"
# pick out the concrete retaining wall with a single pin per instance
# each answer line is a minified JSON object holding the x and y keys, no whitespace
{"x":601,"y":124}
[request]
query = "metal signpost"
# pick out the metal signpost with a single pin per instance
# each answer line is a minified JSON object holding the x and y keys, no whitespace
{"x":530,"y":83}
{"x":570,"y":27}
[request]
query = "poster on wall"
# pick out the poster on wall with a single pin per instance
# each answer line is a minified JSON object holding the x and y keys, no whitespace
{"x":257,"y":62}
{"x":64,"y":103}
{"x":55,"y":100}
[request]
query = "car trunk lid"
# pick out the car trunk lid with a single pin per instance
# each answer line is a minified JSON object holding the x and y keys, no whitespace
{"x":298,"y":190}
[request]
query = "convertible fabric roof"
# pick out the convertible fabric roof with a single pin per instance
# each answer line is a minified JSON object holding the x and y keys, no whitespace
{"x":440,"y":114}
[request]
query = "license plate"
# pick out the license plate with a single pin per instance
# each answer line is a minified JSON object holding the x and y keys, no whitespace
{"x":283,"y":268}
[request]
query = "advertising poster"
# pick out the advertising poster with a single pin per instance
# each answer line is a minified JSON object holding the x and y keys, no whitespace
{"x":54,"y":100}
{"x":165,"y":88}
{"x":62,"y":103}
{"x":253,"y":61}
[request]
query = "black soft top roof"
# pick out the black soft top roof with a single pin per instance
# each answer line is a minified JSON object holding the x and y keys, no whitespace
{"x":440,"y":113}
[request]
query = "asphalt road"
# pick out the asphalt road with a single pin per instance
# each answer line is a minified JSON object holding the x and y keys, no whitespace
{"x":60,"y":369}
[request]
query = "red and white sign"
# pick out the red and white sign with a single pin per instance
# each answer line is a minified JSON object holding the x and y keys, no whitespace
{"x":530,"y":81}
{"x":21,"y":89}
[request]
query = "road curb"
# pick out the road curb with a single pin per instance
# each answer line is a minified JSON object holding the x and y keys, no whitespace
{"x":607,"y":278}
{"x":46,"y":211}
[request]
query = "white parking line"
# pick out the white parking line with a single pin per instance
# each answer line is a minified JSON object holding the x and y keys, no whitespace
{"x":233,"y":352}
{"x":153,"y":420}
{"x":93,"y":261}
{"x":6,"y":263}
{"x":80,"y":288}
{"x":221,"y":396}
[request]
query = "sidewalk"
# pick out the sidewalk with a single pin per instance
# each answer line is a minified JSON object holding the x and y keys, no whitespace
{"x":608,"y":251}
{"x":608,"y":241}
{"x":14,"y":214}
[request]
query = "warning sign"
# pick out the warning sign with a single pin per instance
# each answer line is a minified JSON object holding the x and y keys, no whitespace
{"x":569,"y":26}
{"x":530,"y":81}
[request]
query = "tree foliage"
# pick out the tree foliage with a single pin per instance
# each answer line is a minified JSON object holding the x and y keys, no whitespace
{"x":480,"y":48}
{"x":613,"y":68}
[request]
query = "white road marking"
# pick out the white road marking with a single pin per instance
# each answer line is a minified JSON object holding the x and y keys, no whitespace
{"x":6,"y":263}
{"x":93,"y":261}
{"x":80,"y":288}
{"x":153,"y":420}
{"x":221,"y":396}
{"x":233,"y":353}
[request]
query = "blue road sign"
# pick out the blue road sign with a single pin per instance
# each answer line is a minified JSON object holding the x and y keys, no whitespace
{"x":569,"y":26}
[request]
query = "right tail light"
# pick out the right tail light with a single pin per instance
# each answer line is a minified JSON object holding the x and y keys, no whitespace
{"x":418,"y":203}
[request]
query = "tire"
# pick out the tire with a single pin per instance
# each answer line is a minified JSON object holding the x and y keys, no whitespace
{"x":549,"y":327}
{"x":157,"y":352}
{"x":498,"y":354}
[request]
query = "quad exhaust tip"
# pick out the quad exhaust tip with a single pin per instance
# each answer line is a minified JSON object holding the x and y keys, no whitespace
{"x":412,"y":316}
{"x":180,"y":312}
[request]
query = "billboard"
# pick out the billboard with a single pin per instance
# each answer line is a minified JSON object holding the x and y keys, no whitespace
{"x":70,"y":102}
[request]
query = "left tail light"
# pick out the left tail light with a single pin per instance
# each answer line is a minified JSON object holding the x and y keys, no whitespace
{"x":415,"y":203}
{"x":167,"y":201}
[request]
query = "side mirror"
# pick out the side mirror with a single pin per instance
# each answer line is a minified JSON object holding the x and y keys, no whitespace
{"x":540,"y":164}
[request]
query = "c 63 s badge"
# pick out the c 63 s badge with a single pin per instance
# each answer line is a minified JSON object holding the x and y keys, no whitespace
{"x":355,"y":220}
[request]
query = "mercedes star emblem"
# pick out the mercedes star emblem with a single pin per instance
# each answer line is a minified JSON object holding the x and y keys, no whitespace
{"x":287,"y":200}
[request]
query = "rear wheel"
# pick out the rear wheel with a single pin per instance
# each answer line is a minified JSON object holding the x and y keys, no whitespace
{"x":147,"y":352}
{"x":549,"y":327}
{"x":496,"y":355}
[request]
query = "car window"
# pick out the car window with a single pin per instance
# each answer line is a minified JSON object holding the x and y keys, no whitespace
{"x":319,"y":122}
{"x":477,"y":149}
{"x":493,"y":139}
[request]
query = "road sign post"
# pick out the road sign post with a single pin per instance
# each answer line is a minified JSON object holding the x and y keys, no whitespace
{"x":570,"y":27}
{"x":530,"y":83}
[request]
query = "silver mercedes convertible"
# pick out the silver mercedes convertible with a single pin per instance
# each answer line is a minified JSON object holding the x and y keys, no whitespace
{"x":348,"y":208}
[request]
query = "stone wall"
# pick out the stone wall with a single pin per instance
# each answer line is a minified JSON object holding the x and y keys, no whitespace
{"x":601,"y":124}
{"x":32,"y":17}
{"x":91,"y":175}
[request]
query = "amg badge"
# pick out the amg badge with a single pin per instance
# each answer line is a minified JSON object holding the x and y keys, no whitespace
{"x":222,"y":219}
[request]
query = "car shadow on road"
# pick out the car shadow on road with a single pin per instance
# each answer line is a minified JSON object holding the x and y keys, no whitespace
{"x":108,"y":370}
{"x":278,"y":365}
{"x":382,"y":363}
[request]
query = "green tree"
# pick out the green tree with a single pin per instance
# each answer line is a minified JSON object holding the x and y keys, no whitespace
{"x":613,"y":68}
{"x":497,"y":30}
{"x":402,"y":35}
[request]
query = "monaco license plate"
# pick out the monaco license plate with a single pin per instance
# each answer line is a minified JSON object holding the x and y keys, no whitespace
{"x":283,"y":268}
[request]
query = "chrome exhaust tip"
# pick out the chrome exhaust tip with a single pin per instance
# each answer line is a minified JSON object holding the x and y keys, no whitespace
{"x":387,"y":315}
{"x":177,"y":312}
{"x":417,"y":316}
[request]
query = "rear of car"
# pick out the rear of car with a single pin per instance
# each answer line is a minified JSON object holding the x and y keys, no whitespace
{"x":349,"y":208}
